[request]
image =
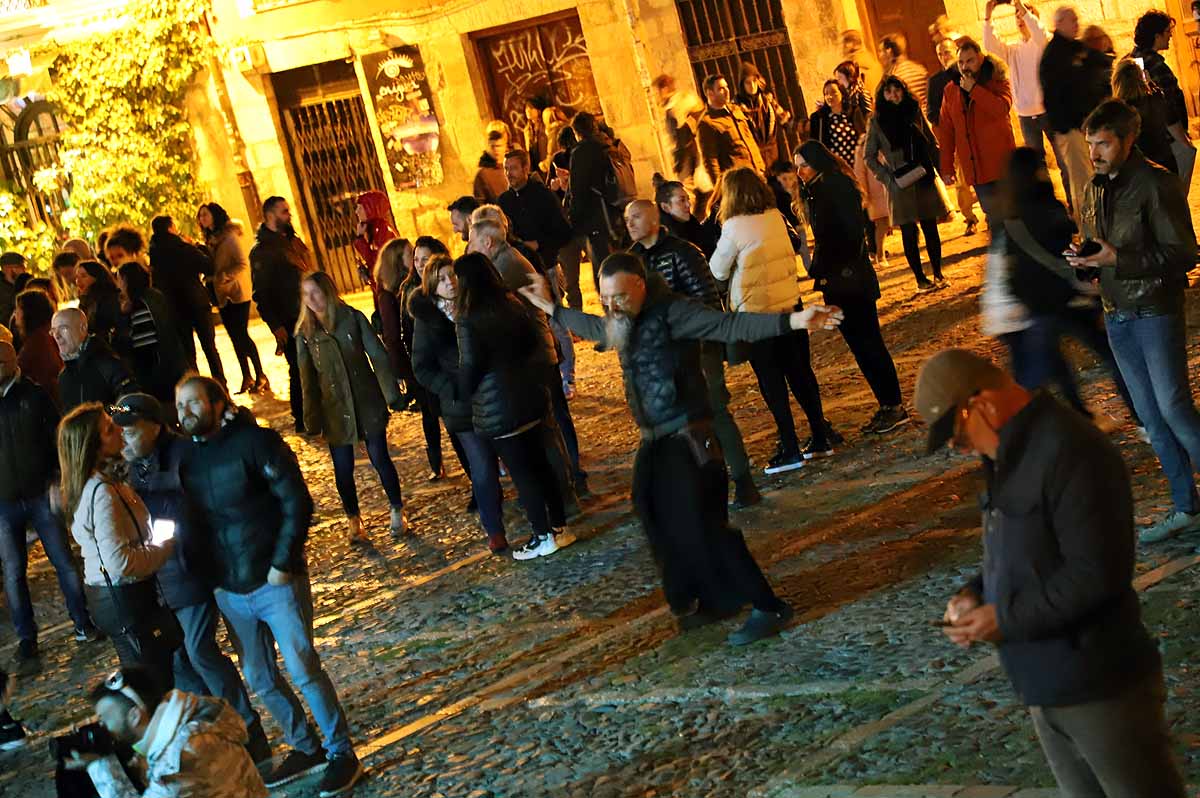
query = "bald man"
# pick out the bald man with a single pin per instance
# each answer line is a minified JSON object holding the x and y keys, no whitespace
{"x":91,"y":371}
{"x":686,"y":271}
{"x":28,"y":462}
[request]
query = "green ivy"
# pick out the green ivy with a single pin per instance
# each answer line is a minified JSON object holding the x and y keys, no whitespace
{"x":18,"y":234}
{"x":127,"y":148}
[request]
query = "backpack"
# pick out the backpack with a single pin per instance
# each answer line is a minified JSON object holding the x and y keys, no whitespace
{"x":620,"y":186}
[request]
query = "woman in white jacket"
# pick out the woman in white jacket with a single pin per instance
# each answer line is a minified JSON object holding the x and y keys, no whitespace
{"x":756,"y":258}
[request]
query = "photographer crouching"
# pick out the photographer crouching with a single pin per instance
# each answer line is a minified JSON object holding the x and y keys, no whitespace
{"x":188,"y":745}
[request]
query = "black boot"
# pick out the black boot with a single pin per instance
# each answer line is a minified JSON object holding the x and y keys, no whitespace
{"x":745,"y":493}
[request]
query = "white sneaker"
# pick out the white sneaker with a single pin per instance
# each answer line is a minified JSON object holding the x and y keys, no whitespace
{"x":536,"y":547}
{"x":1170,"y":526}
{"x":563,"y":537}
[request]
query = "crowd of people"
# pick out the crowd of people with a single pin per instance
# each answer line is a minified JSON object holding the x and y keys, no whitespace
{"x":185,"y":510}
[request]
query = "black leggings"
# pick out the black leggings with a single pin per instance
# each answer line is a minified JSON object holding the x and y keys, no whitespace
{"x":860,"y":328}
{"x":783,"y":362}
{"x":912,"y":248}
{"x":537,"y":486}
{"x":236,"y":319}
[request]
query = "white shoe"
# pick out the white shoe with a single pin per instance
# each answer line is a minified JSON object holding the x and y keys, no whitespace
{"x":1170,"y":526}
{"x":536,"y":547}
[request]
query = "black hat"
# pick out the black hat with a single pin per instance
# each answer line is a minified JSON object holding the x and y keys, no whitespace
{"x":134,"y":407}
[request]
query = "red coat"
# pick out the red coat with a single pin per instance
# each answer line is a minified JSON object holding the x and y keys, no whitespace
{"x":978,"y":129}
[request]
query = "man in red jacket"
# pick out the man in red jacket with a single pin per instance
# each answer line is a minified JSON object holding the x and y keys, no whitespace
{"x":975,"y":125}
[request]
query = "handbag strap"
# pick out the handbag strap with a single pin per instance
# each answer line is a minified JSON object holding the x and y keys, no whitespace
{"x":1025,"y":240}
{"x":116,"y":597}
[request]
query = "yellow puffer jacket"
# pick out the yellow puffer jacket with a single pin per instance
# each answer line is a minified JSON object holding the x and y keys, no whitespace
{"x":755,"y":255}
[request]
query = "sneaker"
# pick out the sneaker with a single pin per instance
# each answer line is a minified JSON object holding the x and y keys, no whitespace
{"x":88,"y":634}
{"x":296,"y":765}
{"x":972,"y":228}
{"x":832,"y":435}
{"x":536,"y":547}
{"x":1143,"y":434}
{"x":563,"y":537}
{"x":341,"y":775}
{"x":437,"y":476}
{"x":784,"y":460}
{"x":812,"y":451}
{"x":497,"y":543}
{"x":925,"y":287}
{"x":886,"y":419}
{"x":399,"y":521}
{"x":1170,"y":526}
{"x":761,"y":625}
{"x":27,"y":661}
{"x":569,"y":392}
{"x":745,"y":493}
{"x":12,"y":735}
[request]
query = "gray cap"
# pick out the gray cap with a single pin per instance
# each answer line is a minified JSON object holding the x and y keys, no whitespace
{"x":946,"y":381}
{"x":134,"y":407}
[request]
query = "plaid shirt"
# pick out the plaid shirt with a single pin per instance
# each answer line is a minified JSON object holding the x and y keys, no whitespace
{"x":1159,"y":72}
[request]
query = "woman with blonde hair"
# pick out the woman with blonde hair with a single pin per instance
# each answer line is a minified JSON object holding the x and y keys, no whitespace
{"x":348,"y":387}
{"x":112,"y":527}
{"x":1129,"y":83}
{"x":755,"y":256}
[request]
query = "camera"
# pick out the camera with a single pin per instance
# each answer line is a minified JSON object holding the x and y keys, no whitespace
{"x":90,"y":739}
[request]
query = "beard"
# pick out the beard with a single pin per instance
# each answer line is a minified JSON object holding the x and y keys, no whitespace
{"x":197,"y":425}
{"x":618,"y":328}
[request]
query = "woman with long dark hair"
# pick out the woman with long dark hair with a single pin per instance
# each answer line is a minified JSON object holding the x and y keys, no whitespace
{"x":502,"y":365}
{"x":435,"y":361}
{"x":99,"y":298}
{"x":858,"y":99}
{"x":836,"y":123}
{"x":392,"y":267}
{"x":149,"y":337}
{"x":112,"y":527}
{"x":348,"y":386}
{"x":755,"y":256}
{"x":424,"y":249}
{"x":900,"y":132}
{"x":232,"y":289}
{"x":843,"y":273}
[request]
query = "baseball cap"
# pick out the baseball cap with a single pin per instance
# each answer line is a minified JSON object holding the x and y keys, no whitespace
{"x":134,"y":407}
{"x":945,"y":382}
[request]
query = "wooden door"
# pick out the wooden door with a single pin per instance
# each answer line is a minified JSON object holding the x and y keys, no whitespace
{"x":912,"y":18}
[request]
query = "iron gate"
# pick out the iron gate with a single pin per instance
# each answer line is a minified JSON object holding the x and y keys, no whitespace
{"x":721,"y":34}
{"x":335,"y":161}
{"x":35,"y":148}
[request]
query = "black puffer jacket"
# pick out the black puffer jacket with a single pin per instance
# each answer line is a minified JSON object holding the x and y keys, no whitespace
{"x":435,"y":361}
{"x":250,"y":507}
{"x":97,"y":375}
{"x":278,"y":262}
{"x":682,"y":265}
{"x":704,"y":235}
{"x":156,"y":480}
{"x":178,"y":268}
{"x":1144,"y":214}
{"x":28,"y":449}
{"x":502,"y":366}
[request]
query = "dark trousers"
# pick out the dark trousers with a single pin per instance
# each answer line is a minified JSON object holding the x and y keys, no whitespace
{"x":682,"y":506}
{"x":537,"y":486}
{"x":781,"y":363}
{"x":483,"y":469}
{"x":569,"y":258}
{"x":860,"y":328}
{"x":712,"y":362}
{"x":295,"y":390}
{"x":200,"y":322}
{"x":566,"y":426}
{"x":1117,"y":747}
{"x":201,"y":667}
{"x":381,"y":459}
{"x":430,"y":425}
{"x":912,"y":247}
{"x":110,"y":619}
{"x":236,"y":319}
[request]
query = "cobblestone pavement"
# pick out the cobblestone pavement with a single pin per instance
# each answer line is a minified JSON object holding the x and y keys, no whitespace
{"x":471,"y":675}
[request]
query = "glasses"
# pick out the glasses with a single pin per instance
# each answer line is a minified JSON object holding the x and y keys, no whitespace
{"x":116,"y":683}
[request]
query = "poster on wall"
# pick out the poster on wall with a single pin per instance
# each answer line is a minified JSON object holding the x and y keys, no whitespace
{"x":404,"y":111}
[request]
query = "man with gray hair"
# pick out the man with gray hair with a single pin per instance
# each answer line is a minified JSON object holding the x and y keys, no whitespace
{"x":91,"y":371}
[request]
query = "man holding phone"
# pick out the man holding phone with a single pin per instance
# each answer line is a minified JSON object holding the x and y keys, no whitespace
{"x":1054,"y":594}
{"x":154,"y":451}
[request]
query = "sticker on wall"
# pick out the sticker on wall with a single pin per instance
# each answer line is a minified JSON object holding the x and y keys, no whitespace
{"x":404,"y":110}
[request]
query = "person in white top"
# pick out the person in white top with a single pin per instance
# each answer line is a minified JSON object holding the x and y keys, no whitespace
{"x":1022,"y":59}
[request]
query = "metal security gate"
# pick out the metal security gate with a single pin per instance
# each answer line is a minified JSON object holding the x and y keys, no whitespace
{"x":721,"y":34}
{"x":34,"y":148}
{"x":334,"y":158}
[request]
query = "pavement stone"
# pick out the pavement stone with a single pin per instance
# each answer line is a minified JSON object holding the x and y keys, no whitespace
{"x":986,"y":791}
{"x":910,"y":791}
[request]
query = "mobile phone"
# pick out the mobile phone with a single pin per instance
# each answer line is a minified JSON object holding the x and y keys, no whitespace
{"x":162,"y":530}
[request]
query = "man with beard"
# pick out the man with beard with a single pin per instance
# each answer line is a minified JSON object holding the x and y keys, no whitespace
{"x":250,"y":516}
{"x":278,"y":262}
{"x":679,"y":481}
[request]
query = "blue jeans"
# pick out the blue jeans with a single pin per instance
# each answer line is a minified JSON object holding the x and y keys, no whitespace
{"x":280,"y":612}
{"x":1151,"y":353}
{"x":202,"y":668}
{"x":381,"y":459}
{"x":14,"y":517}
{"x":485,"y":479}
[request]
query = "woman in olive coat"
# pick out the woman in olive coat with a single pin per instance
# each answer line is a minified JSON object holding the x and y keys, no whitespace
{"x":348,"y":387}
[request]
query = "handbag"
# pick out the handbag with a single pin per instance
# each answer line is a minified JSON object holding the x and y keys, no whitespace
{"x":908,"y":174}
{"x":145,"y":617}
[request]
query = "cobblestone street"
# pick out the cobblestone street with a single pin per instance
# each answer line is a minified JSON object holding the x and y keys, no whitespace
{"x":470,"y":675}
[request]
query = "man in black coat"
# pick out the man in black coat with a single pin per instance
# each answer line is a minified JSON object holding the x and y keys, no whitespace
{"x":686,"y":271}
{"x":679,"y":478}
{"x":1054,"y":594}
{"x":154,"y":452}
{"x":179,"y":268}
{"x":278,"y":262}
{"x":590,"y":167}
{"x":249,"y":520}
{"x":534,"y":212}
{"x":91,"y":372}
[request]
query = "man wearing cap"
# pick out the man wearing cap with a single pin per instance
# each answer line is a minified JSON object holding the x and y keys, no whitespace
{"x":154,"y":451}
{"x":1054,"y":594}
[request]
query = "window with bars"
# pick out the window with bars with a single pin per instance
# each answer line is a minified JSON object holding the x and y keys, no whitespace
{"x":17,"y":6}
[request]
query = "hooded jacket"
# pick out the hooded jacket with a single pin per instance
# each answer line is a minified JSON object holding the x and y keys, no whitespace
{"x":975,"y":126}
{"x":379,"y":227}
{"x":435,"y":361}
{"x":278,"y":262}
{"x":232,"y":283}
{"x":490,"y":181}
{"x":96,"y":375}
{"x":194,"y":748}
